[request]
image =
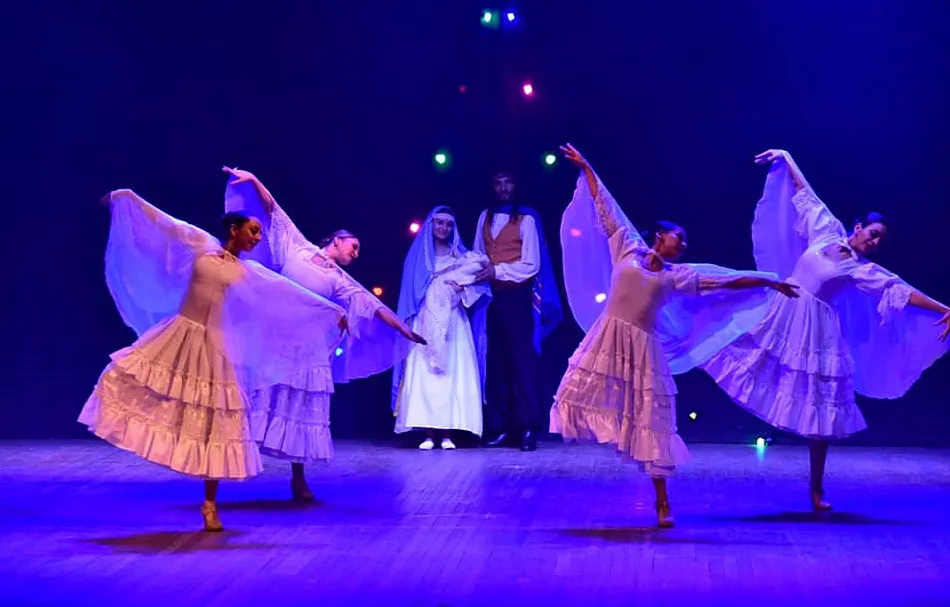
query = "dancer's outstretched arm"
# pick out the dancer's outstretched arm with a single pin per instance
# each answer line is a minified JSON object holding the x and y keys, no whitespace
{"x":816,"y":222}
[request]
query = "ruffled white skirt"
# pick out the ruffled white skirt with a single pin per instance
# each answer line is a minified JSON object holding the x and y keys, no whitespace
{"x":793,"y":370}
{"x":173,"y":399}
{"x":294,"y":423}
{"x":618,"y":389}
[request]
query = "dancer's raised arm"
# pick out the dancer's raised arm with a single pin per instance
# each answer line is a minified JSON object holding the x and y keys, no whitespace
{"x":611,"y":217}
{"x":246,"y":193}
{"x":789,"y":216}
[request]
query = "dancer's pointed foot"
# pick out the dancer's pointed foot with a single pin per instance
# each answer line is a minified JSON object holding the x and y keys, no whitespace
{"x":209,"y":512}
{"x":300,"y":490}
{"x":664,"y":515}
{"x":818,"y":503}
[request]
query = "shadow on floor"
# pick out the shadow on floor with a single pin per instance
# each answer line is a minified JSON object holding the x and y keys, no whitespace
{"x":834,"y":518}
{"x":176,"y":542}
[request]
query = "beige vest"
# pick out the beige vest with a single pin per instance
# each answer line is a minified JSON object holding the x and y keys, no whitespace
{"x":505,"y":248}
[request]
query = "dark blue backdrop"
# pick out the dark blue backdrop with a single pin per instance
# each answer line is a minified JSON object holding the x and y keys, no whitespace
{"x":340,"y":108}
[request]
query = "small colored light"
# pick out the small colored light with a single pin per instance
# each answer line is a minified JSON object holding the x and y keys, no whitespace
{"x":575,"y":233}
{"x":600,"y":297}
{"x":760,"y":442}
{"x":550,"y":159}
{"x":490,"y":18}
{"x":528,"y":89}
{"x":462,"y":88}
{"x":442,"y":159}
{"x":510,"y":16}
{"x":693,"y":415}
{"x":378,"y":291}
{"x":414,"y":227}
{"x":339,"y":351}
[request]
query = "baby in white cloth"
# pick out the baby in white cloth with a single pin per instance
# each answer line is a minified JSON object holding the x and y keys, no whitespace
{"x":441,"y":298}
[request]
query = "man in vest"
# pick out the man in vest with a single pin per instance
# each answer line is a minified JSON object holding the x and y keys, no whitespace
{"x":524,"y":309}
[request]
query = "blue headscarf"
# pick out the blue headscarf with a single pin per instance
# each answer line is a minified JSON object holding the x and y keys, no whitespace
{"x":417,"y":273}
{"x":548,"y":311}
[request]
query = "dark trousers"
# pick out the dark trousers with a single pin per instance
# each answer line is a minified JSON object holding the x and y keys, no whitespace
{"x":511,"y":392}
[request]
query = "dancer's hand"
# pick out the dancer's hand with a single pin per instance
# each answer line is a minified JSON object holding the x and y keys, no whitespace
{"x":770,"y":156}
{"x":945,"y":321}
{"x":786,"y":289}
{"x":571,"y":154}
{"x":414,"y":337}
{"x":486,"y":273}
{"x":106,"y":200}
{"x":455,"y":286}
{"x":239,"y":175}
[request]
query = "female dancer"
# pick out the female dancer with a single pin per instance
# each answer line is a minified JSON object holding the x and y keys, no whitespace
{"x":342,"y":247}
{"x":287,"y":423}
{"x":212,"y":328}
{"x":439,"y":388}
{"x":619,"y":386}
{"x":857,"y":327}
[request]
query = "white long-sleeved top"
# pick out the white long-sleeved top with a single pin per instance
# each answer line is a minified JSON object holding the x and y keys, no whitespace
{"x":525,"y":268}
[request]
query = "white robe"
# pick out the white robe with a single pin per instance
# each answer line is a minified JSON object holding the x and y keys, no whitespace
{"x":442,"y":392}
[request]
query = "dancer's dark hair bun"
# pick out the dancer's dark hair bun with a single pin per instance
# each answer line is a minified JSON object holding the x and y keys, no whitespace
{"x":338,"y":234}
{"x":660,"y":227}
{"x":232,"y":218}
{"x":869,"y":218}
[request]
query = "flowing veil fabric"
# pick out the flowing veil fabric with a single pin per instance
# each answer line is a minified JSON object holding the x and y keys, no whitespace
{"x":279,"y":332}
{"x":149,"y":260}
{"x":778,"y":237}
{"x":371,"y":346}
{"x":279,"y":231}
{"x":891,"y":344}
{"x":270,"y":329}
{"x":587,"y":256}
{"x":691,"y":328}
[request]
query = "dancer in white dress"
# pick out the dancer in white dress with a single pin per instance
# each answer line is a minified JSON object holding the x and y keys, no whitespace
{"x":645,"y":318}
{"x":212,"y":328}
{"x":294,"y":425}
{"x":857,"y":327}
{"x":439,"y":388}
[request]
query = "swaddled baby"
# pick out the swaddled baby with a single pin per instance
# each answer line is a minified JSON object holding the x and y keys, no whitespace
{"x":440,"y":300}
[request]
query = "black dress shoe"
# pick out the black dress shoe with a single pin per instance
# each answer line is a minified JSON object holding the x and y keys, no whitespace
{"x":529,"y":442}
{"x":498,"y":441}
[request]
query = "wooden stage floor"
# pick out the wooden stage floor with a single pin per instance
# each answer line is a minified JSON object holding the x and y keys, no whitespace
{"x":82,"y":523}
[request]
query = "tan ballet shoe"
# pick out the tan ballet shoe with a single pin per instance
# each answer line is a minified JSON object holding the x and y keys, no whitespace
{"x":301,"y":491}
{"x":210,"y":514}
{"x":818,"y":504}
{"x":664,"y":515}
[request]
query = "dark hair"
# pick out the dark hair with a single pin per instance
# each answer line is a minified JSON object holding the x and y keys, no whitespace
{"x":514,"y":212}
{"x":869,"y":218}
{"x":660,"y":227}
{"x":338,"y":234}
{"x":235,"y":219}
